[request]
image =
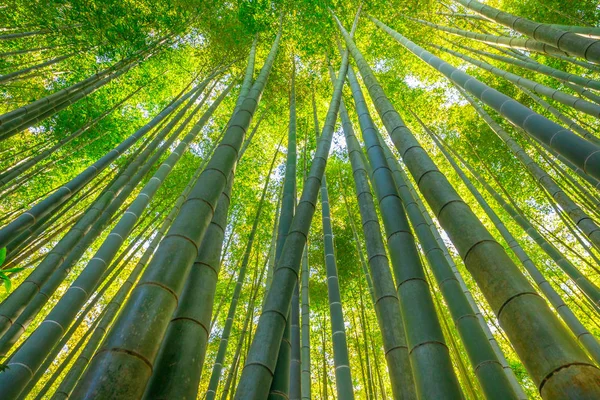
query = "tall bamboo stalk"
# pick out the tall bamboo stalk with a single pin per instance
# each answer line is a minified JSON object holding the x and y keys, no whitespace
{"x":93,"y":230}
{"x":280,"y":385}
{"x":567,"y":41}
{"x":546,"y":348}
{"x":29,"y":356}
{"x":224,"y":340}
{"x":385,"y":300}
{"x":582,"y":153}
{"x":584,"y":222}
{"x":562,"y":97}
{"x":70,"y":380}
{"x":426,"y":345}
{"x":155,"y":296}
{"x":258,"y":372}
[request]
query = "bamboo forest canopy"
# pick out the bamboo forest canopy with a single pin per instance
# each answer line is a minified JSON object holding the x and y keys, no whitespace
{"x":300,"y":199}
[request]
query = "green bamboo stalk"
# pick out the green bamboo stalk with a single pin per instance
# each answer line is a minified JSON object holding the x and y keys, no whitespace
{"x":401,"y":176}
{"x":13,"y":118}
{"x":30,"y":356}
{"x":34,"y":231}
{"x":428,"y":353}
{"x":583,"y":221}
{"x":12,"y":173}
{"x":581,"y":333}
{"x":359,"y":249}
{"x":541,"y":68}
{"x":100,"y":218}
{"x":583,"y":92}
{"x":324,"y":364}
{"x":42,"y":111}
{"x":130,"y":252}
{"x":510,"y":42}
{"x":258,"y":372}
{"x":386,"y":302}
{"x":566,"y":41}
{"x":245,"y":327}
{"x":366,"y":347}
{"x":567,"y":99}
{"x":485,"y":363}
{"x":583,"y":153}
{"x":70,"y":380}
{"x":306,"y":387}
{"x":280,"y":386}
{"x":591,"y":200}
{"x":64,"y":192}
{"x":357,"y":350}
{"x":561,"y":117}
{"x":184,"y":345}
{"x":224,"y":341}
{"x":153,"y":301}
{"x":15,"y":74}
{"x":546,"y":348}
{"x":341,"y":361}
{"x":273,"y":247}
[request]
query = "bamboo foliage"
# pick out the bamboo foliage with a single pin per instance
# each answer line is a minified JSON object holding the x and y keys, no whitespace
{"x":134,"y":191}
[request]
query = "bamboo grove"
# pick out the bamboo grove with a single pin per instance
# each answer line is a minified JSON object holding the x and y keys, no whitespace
{"x":300,"y":199}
